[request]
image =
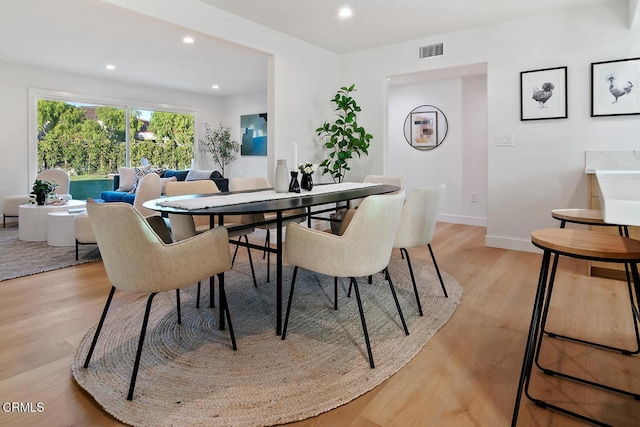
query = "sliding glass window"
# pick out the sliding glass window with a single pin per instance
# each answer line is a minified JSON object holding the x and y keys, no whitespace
{"x":92,"y":140}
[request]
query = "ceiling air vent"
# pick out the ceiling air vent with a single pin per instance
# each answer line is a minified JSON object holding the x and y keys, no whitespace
{"x":430,"y":50}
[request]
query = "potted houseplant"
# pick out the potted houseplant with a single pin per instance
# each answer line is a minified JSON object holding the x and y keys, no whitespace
{"x":41,"y":190}
{"x":344,"y":138}
{"x":218,"y":143}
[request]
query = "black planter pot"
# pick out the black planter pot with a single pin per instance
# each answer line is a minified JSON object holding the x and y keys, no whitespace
{"x":41,"y":196}
{"x":306,"y":182}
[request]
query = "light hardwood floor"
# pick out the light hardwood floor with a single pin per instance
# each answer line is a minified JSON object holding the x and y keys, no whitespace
{"x":466,"y":375}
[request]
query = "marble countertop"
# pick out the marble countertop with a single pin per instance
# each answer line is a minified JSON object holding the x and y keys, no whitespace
{"x":611,"y":160}
{"x":620,"y":196}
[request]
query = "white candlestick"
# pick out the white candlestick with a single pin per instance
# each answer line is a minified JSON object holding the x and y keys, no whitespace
{"x":294,"y":149}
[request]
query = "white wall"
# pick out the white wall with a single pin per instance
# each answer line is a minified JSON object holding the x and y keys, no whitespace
{"x":460,"y":161}
{"x":232,"y":107}
{"x":545,"y":168}
{"x":302,"y":77}
{"x":15,"y":80}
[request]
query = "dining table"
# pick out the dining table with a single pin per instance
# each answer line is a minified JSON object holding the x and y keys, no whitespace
{"x":323,"y":198}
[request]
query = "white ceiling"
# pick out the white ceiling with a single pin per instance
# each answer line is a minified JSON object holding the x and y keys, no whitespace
{"x":380,"y":22}
{"x":82,"y":36}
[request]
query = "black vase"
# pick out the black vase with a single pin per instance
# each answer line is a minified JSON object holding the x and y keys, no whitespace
{"x":41,"y":196}
{"x":294,"y":185}
{"x":307,"y":182}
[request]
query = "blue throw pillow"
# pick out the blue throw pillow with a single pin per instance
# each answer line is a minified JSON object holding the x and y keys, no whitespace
{"x":180,"y":175}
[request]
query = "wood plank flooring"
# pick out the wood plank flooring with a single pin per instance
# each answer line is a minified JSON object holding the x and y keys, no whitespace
{"x":466,"y":375}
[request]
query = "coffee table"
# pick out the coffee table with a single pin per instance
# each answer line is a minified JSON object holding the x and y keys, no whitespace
{"x":32,"y":219}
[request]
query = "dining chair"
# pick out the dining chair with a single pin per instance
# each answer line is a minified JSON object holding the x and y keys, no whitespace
{"x":364,"y":248}
{"x":417,"y":226}
{"x":149,"y":188}
{"x":136,"y":259}
{"x":257,"y":183}
{"x":184,"y":226}
{"x":60,"y":177}
{"x":398,"y":181}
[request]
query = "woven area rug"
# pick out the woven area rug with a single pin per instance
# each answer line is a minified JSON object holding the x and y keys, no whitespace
{"x":18,"y":258}
{"x":190,"y":376}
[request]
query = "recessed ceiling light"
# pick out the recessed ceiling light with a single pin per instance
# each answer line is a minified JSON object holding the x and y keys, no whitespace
{"x":188,"y":40}
{"x":215,"y":87}
{"x":111,"y":67}
{"x":345,"y":12}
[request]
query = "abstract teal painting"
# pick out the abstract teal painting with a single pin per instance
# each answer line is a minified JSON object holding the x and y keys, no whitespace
{"x":254,"y":134}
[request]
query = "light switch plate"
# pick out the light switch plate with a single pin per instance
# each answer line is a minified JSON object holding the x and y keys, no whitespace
{"x":504,"y":140}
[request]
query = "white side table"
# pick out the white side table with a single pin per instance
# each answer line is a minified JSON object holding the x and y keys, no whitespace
{"x":32,"y":221}
{"x":60,"y":230}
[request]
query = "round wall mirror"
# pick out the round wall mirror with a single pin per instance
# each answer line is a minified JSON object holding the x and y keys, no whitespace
{"x":425,"y":127}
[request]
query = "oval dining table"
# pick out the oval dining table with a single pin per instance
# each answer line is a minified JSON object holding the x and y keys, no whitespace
{"x":322,"y":198}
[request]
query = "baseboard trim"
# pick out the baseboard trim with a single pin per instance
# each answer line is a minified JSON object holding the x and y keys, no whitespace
{"x":465,"y":220}
{"x":510,"y":243}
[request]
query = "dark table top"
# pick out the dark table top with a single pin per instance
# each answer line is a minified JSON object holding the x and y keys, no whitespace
{"x":302,"y":201}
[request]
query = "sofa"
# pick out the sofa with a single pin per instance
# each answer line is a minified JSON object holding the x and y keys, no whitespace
{"x":124,"y":182}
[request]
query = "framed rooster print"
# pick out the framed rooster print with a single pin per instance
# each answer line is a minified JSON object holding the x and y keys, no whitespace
{"x":543,"y":94}
{"x":615,"y":87}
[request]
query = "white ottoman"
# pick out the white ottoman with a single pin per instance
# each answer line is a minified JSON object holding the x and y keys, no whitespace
{"x":10,"y":206}
{"x":83,"y":233}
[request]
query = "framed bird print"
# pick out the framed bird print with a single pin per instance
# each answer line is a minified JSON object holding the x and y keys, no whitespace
{"x":615,"y":87}
{"x":543,"y":94}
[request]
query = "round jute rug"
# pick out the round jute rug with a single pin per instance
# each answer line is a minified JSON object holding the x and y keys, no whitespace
{"x":190,"y":376}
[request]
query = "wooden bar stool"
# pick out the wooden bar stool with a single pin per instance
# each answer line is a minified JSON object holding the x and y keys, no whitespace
{"x":592,"y":217}
{"x":582,"y":244}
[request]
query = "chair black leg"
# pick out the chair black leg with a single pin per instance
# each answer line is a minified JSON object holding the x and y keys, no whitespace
{"x":435,"y":264}
{"x":198,"y":296}
{"x":143,"y":332}
{"x":395,"y":298}
{"x":178,"y":305}
{"x":335,"y":293}
{"x":77,"y":250}
{"x":99,"y":328}
{"x":212,"y":293}
{"x":405,"y":254}
{"x":235,"y":252}
{"x":364,"y":323}
{"x":225,"y":308}
{"x":267,"y":244}
{"x":286,"y":317}
{"x":253,"y":273}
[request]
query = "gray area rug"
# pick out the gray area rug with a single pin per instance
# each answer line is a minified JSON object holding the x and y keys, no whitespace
{"x":190,"y":376}
{"x":18,"y":258}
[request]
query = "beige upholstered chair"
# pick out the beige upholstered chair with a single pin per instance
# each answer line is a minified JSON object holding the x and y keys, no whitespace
{"x":182,"y":225}
{"x":417,"y":226}
{"x":149,"y":188}
{"x":364,"y":249}
{"x":379,"y":179}
{"x":136,"y":259}
{"x":257,"y":183}
{"x":185,"y":226}
{"x":10,"y":204}
{"x":60,"y":177}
